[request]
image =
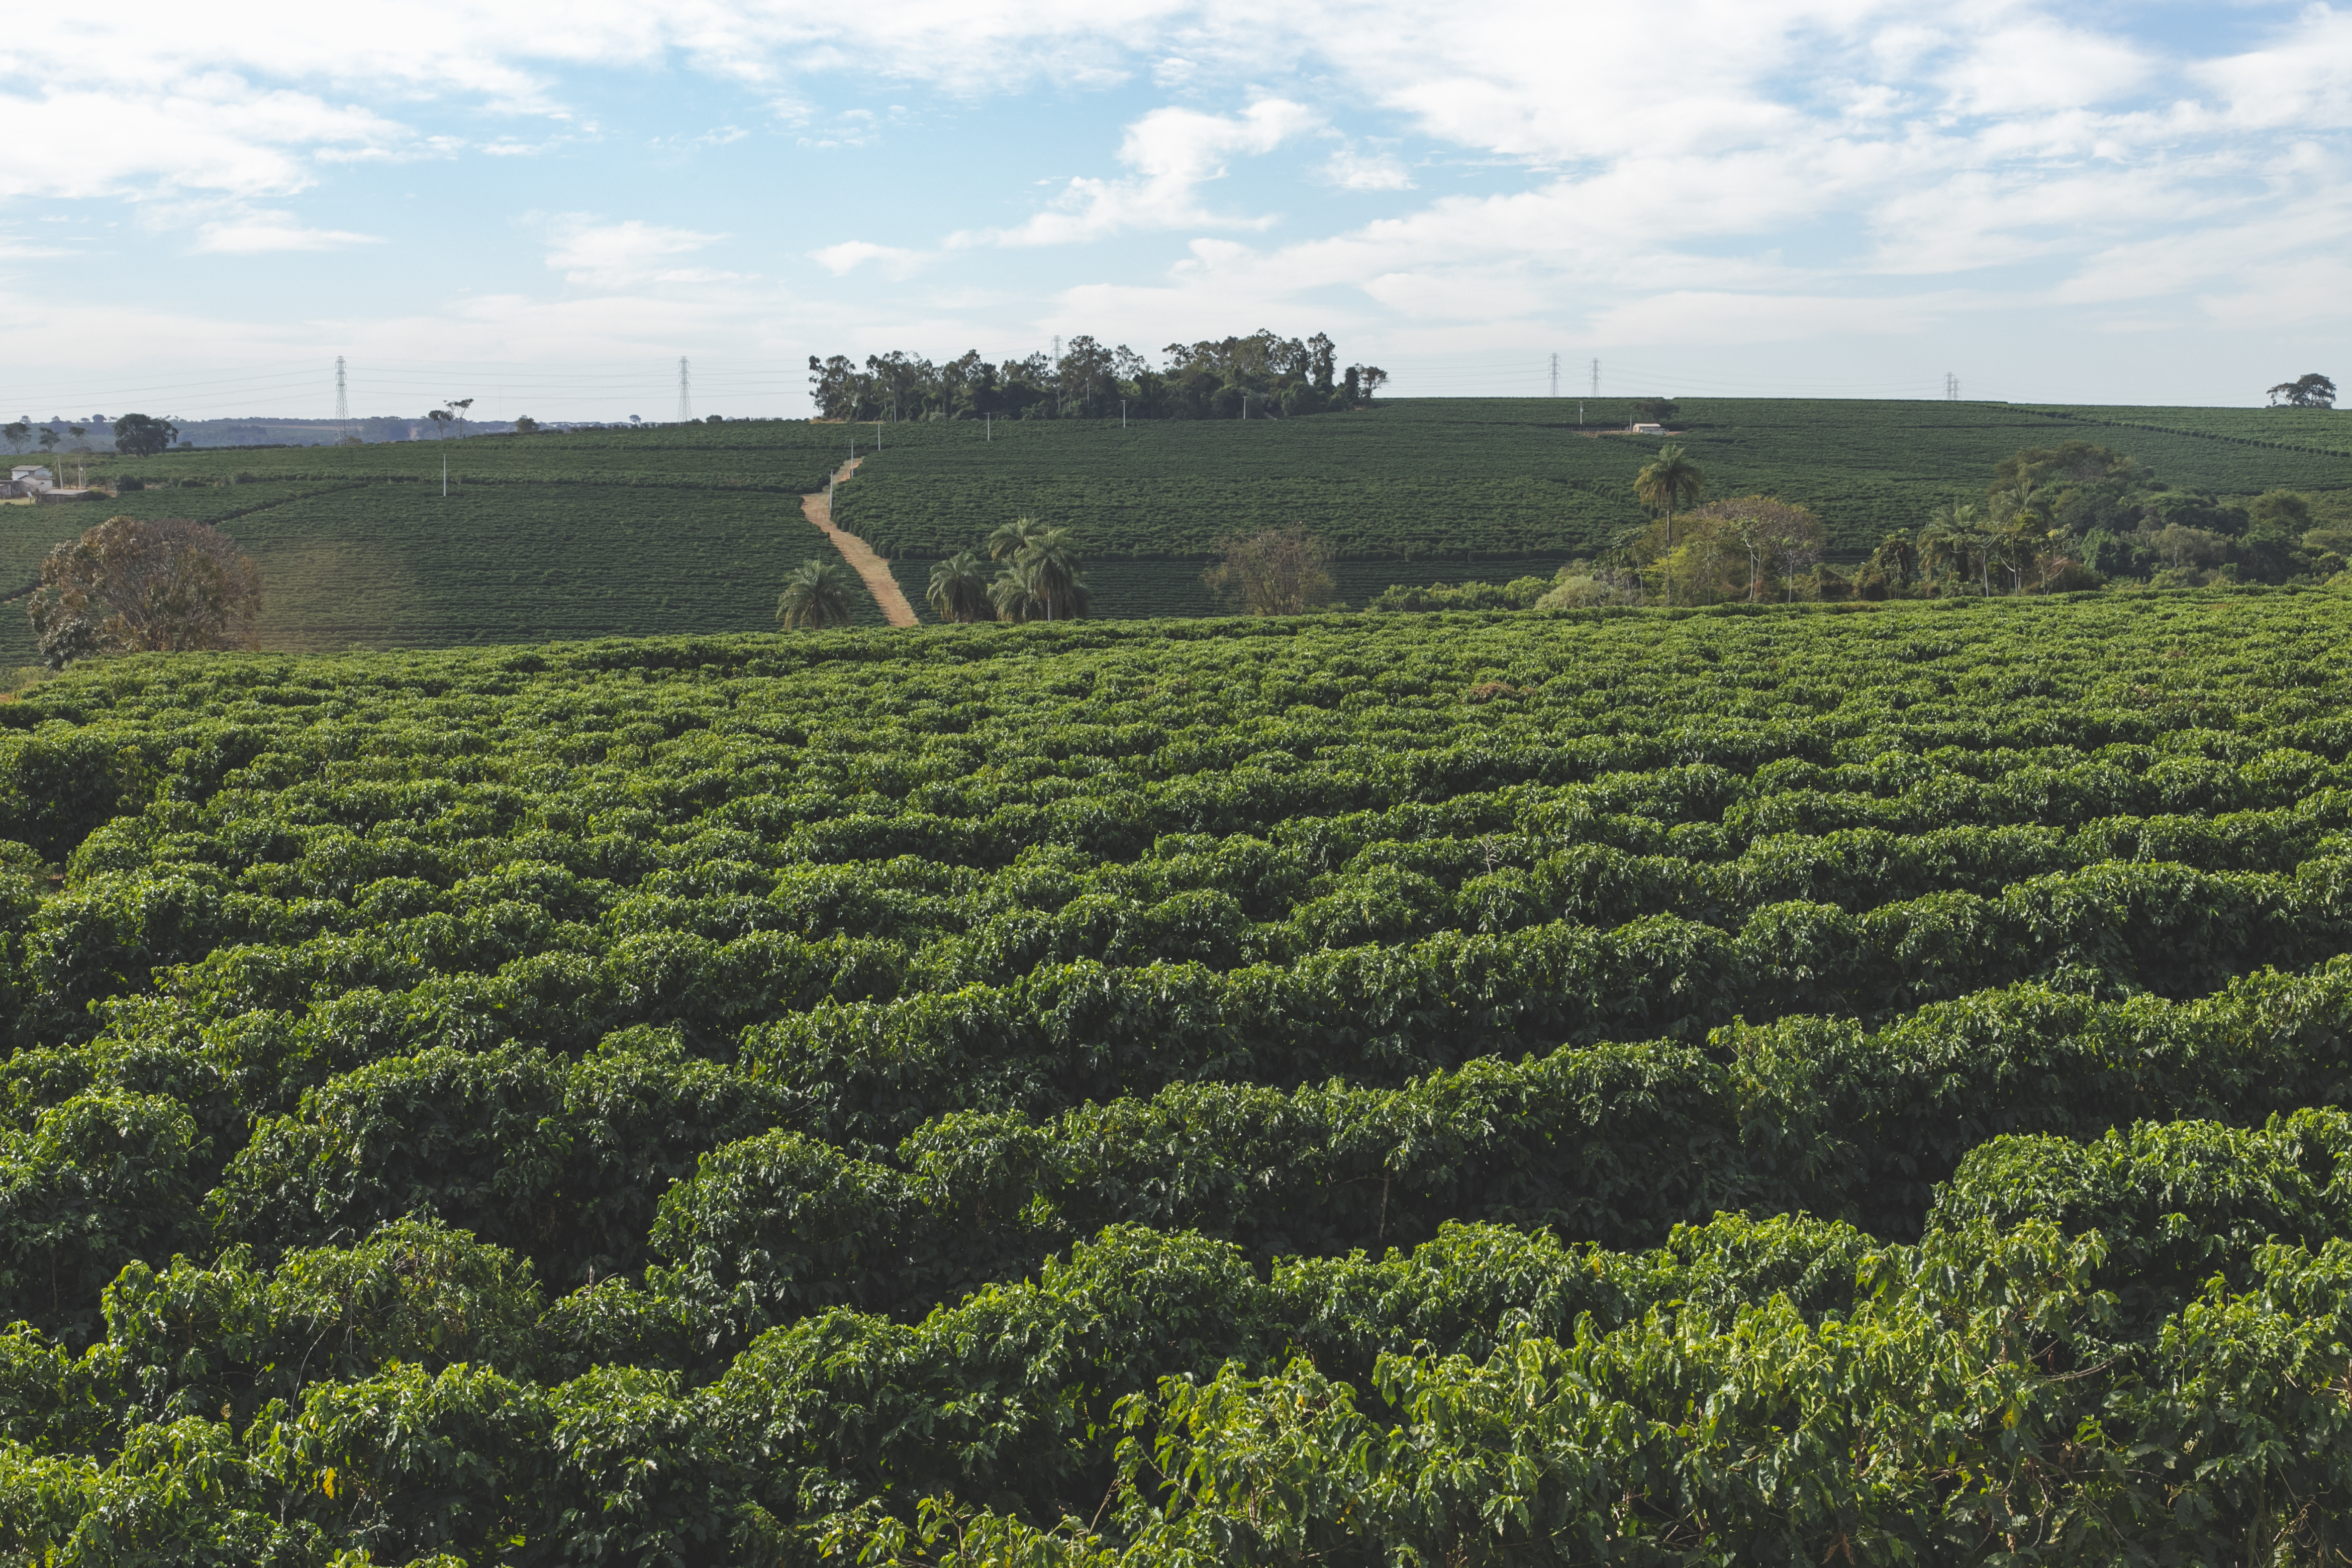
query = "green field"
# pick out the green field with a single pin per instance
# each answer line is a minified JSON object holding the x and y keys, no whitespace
{"x":1762,"y":1085}
{"x":692,"y":528}
{"x":2312,"y":429}
{"x":1501,"y":480}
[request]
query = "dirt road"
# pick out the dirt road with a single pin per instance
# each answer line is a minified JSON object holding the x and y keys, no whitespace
{"x":870,"y":567}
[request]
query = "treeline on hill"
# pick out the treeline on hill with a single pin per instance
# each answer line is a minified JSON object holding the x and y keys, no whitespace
{"x":1231,"y":378}
{"x":2053,"y":519}
{"x":1856,"y":1082}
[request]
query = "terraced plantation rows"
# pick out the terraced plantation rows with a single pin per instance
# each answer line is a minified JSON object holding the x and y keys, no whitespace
{"x":1622,"y":1085}
{"x":1498,"y":478}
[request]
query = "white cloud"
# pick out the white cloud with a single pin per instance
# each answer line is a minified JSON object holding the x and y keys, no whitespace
{"x":212,"y":133}
{"x":1353,"y":171}
{"x":850,"y":255}
{"x":622,"y":254}
{"x":1173,"y":153}
{"x":260,"y":233}
{"x":2038,"y":63}
{"x":2302,"y":81}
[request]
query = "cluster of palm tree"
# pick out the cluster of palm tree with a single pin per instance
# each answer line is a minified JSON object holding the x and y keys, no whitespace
{"x":1037,"y":578}
{"x":2009,"y":533}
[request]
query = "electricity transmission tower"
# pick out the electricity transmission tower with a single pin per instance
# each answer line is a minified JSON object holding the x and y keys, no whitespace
{"x":1951,"y":387}
{"x":1555,"y":375}
{"x":685,"y":394}
{"x":1596,"y":378}
{"x":343,"y":398}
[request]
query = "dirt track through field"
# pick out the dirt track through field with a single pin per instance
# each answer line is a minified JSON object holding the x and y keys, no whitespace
{"x":872,"y":568}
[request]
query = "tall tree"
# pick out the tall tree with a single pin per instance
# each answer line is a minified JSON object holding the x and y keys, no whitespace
{"x":1274,"y":571}
{"x":1050,"y":561}
{"x":816,"y":595}
{"x":1671,"y":479}
{"x":959,"y":589}
{"x":1763,"y":527}
{"x":141,"y":585}
{"x":1013,"y":593}
{"x":1010,"y":539}
{"x":1945,"y":541}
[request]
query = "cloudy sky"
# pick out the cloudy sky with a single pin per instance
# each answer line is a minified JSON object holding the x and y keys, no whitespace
{"x":544,"y":206}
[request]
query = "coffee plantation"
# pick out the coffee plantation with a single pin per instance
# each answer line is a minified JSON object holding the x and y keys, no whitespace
{"x":1856,"y":1082}
{"x":694,"y":527}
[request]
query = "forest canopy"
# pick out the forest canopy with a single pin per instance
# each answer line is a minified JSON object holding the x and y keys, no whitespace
{"x":1260,"y":375}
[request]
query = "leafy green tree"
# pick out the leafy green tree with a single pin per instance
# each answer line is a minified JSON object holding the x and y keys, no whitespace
{"x":1670,"y":480}
{"x":143,"y":435}
{"x":817,"y":594}
{"x":17,"y":432}
{"x":1765,"y":528}
{"x":959,"y":589}
{"x":2312,"y":391}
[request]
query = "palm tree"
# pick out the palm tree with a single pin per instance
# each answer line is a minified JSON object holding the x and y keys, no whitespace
{"x":1010,"y":538}
{"x":1051,"y":557}
{"x":1672,"y":480}
{"x":816,"y":595}
{"x":1012,"y":594}
{"x":1955,"y":534}
{"x":958,"y":592}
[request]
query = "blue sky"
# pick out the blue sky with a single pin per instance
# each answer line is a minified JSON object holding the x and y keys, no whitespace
{"x":544,"y":207}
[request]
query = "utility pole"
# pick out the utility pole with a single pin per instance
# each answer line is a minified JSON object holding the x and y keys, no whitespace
{"x":987,"y":429}
{"x":1122,"y":413}
{"x":1596,"y":378}
{"x":685,"y":394}
{"x":1555,"y":375}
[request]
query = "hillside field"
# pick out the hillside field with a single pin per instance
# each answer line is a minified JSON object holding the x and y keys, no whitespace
{"x":1781,"y":1084}
{"x":691,"y":528}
